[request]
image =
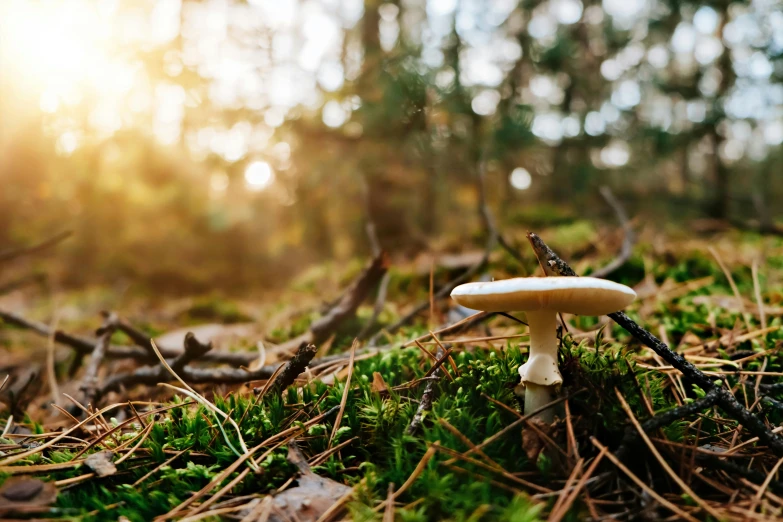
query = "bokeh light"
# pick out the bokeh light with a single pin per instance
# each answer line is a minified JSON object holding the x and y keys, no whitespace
{"x":259,"y":175}
{"x":520,"y":179}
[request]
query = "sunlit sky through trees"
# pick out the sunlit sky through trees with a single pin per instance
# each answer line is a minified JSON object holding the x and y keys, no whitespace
{"x":83,"y":63}
{"x":282,"y":123}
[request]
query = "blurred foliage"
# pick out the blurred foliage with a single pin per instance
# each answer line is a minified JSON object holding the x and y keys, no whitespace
{"x":234,"y":143}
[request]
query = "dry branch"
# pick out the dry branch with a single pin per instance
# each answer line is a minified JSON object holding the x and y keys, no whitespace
{"x":13,"y":253}
{"x":666,"y":418}
{"x":84,"y":345}
{"x":353,"y":296}
{"x":295,"y":366}
{"x":430,"y":390}
{"x":152,"y":375}
{"x":629,"y":237}
{"x":553,"y":265}
{"x":89,"y":386}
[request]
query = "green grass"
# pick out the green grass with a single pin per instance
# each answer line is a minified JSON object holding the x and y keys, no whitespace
{"x":383,"y":452}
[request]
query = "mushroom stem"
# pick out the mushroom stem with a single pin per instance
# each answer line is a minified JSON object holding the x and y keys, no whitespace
{"x":537,"y":396}
{"x":540,"y":374}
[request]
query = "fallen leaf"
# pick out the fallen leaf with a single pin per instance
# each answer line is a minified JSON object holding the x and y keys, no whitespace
{"x":22,"y":493}
{"x":532,"y":442}
{"x":101,"y":463}
{"x":306,"y":502}
{"x":378,"y":384}
{"x":222,"y":336}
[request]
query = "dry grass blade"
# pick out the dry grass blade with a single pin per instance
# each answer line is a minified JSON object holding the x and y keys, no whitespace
{"x":388,"y":513}
{"x":219,"y":478}
{"x":204,"y":402}
{"x":426,"y":352}
{"x":38,"y":449}
{"x":732,"y":284}
{"x":331,"y":451}
{"x":571,"y":497}
{"x":8,"y":425}
{"x":159,"y":467}
{"x":145,"y":434}
{"x":636,"y":480}
{"x":214,"y":498}
{"x":513,"y":478}
{"x":454,"y":431}
{"x":565,"y":491}
{"x":344,"y":400}
{"x":481,"y":339}
{"x":418,"y":470}
{"x":278,"y":439}
{"x":757,"y":292}
{"x":446,"y":329}
{"x":573,"y":447}
{"x":665,"y":465}
{"x":763,"y":488}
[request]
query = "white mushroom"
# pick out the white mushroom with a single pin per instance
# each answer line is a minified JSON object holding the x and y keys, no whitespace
{"x":541,"y":298}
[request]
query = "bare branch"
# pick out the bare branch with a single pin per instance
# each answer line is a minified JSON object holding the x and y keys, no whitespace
{"x":629,"y":237}
{"x":13,"y":253}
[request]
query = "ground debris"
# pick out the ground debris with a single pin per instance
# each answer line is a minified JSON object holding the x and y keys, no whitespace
{"x":307,"y":502}
{"x":21,"y":494}
{"x":101,"y":463}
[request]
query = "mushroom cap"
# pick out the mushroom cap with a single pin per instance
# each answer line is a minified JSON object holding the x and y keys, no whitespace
{"x":573,"y":295}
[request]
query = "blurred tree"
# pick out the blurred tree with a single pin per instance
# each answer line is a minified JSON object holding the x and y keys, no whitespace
{"x":168,"y":131}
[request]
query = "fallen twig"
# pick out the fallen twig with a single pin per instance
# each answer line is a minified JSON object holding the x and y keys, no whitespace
{"x":13,"y":253}
{"x":686,"y":489}
{"x":428,"y":397}
{"x":84,"y":345}
{"x":89,"y":386}
{"x":295,"y":366}
{"x":353,"y":296}
{"x":20,"y":282}
{"x":666,"y":418}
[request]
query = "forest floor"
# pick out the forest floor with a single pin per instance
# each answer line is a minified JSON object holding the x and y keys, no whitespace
{"x":379,"y":427}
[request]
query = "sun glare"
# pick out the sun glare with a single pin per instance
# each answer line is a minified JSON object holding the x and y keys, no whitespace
{"x":259,"y":175}
{"x":52,"y":47}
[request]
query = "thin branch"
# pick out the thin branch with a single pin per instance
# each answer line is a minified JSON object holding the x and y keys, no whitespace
{"x":665,"y":419}
{"x":138,"y":337}
{"x":353,"y":296}
{"x":13,"y":253}
{"x":295,"y":366}
{"x":20,"y":282}
{"x":84,"y":345}
{"x":89,"y":386}
{"x":429,"y":394}
{"x":629,"y":237}
{"x":736,"y":470}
